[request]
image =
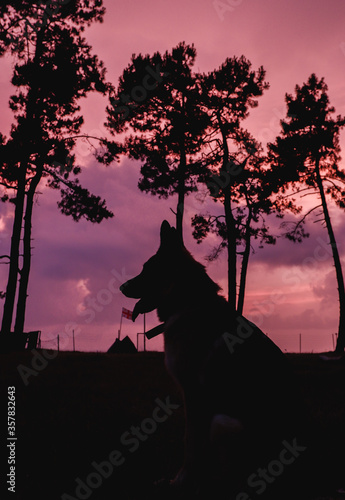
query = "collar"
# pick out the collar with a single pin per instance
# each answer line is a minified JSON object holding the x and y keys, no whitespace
{"x":157,"y":330}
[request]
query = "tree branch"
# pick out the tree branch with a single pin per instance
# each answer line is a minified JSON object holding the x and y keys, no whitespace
{"x":303,"y":218}
{"x":297,"y":192}
{"x":332,"y":182}
{"x":7,"y":186}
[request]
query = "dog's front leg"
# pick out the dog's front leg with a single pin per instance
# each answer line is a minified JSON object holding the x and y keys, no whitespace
{"x":197,"y":426}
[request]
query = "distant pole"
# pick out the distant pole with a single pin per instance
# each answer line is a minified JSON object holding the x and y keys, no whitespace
{"x":73,"y":341}
{"x":58,"y":342}
{"x":300,"y":343}
{"x":119,"y":332}
{"x":144,"y":332}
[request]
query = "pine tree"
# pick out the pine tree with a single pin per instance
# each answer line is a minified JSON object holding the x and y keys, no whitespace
{"x":233,"y":164}
{"x":306,"y":156}
{"x":157,"y":106}
{"x":54,"y":68}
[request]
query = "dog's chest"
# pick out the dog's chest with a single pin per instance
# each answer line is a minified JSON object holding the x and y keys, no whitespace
{"x":177,"y":364}
{"x":182,"y":355}
{"x":171,"y":359}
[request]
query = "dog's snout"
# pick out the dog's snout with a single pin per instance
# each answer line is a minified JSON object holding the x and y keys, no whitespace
{"x":124,"y":288}
{"x":131,"y":288}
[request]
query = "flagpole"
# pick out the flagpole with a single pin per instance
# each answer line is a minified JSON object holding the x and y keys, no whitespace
{"x":119,"y":333}
{"x":144,"y":331}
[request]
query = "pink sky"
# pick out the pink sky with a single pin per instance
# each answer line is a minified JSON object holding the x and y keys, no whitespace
{"x":77,"y":267}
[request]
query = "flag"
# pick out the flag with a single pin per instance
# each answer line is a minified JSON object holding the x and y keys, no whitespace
{"x":126,"y":313}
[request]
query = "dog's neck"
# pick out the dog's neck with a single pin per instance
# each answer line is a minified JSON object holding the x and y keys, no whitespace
{"x":179,"y":301}
{"x":191,"y":288}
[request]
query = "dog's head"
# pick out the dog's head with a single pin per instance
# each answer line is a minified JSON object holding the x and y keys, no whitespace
{"x":156,"y":279}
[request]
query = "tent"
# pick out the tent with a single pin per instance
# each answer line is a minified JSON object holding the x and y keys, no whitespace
{"x":124,"y":346}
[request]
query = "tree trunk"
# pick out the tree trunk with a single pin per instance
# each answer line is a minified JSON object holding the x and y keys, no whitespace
{"x":14,"y":253}
{"x":232,"y":254}
{"x":340,"y":346}
{"x":337,"y":264}
{"x":181,"y":192}
{"x":245,"y":261}
{"x":181,"y":188}
{"x":20,"y":198}
{"x":24,"y":276}
{"x":230,"y":224}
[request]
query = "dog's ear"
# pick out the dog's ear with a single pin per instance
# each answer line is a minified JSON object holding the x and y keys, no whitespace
{"x":168,"y":235}
{"x":165,"y":231}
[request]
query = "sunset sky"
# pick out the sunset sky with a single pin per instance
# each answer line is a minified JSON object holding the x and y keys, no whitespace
{"x":78,"y":267}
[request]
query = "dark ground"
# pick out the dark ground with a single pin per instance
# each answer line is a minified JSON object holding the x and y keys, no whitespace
{"x":75,"y":409}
